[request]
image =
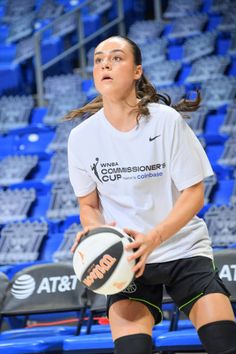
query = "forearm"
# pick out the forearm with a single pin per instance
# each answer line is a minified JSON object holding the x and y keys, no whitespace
{"x":90,"y":216}
{"x":186,"y":207}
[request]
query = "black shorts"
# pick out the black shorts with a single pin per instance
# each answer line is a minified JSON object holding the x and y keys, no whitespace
{"x":185,"y":280}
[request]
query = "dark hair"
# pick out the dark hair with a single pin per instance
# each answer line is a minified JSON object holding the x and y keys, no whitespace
{"x":145,"y":92}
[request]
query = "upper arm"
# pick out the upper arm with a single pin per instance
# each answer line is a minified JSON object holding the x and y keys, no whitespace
{"x":197,"y":187}
{"x":195,"y":191}
{"x":90,"y":200}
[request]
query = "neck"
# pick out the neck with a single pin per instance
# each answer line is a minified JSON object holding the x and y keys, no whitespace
{"x":121,"y":114}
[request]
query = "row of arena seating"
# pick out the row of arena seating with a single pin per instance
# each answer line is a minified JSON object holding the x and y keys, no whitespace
{"x":53,"y":288}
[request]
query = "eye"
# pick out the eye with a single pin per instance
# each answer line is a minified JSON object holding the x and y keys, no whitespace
{"x":97,"y":60}
{"x":117,"y":58}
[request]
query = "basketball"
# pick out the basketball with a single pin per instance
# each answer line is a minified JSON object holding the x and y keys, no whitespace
{"x":100,"y":260}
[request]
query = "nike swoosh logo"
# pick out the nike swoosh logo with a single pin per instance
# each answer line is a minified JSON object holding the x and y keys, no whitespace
{"x":157,"y":136}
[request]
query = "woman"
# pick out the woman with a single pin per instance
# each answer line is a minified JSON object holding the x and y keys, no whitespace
{"x":136,"y":164}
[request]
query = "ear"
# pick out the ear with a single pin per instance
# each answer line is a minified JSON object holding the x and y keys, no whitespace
{"x":138,"y":72}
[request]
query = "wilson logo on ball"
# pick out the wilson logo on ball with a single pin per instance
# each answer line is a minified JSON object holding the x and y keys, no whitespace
{"x":100,"y":269}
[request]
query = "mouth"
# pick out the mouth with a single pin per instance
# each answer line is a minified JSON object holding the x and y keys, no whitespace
{"x":106,"y":78}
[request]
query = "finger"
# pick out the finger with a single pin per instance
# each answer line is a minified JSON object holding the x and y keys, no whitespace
{"x":78,"y":238}
{"x":140,"y":272}
{"x":130,"y":232}
{"x":137,"y":266}
{"x":85,"y":231}
{"x":73,"y":248}
{"x":140,"y":265}
{"x":131,"y":245}
{"x":138,"y":269}
{"x":135,"y":254}
{"x":75,"y":244}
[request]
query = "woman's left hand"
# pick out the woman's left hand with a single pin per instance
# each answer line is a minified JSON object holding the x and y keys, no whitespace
{"x":142,"y":245}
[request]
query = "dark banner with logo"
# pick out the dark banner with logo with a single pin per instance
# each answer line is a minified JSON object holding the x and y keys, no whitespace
{"x":44,"y":288}
{"x":225,"y":261}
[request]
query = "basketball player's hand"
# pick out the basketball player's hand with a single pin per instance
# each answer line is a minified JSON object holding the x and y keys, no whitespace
{"x":142,"y":245}
{"x":85,"y":231}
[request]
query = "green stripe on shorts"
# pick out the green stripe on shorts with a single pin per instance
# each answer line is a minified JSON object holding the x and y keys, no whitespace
{"x":148,"y":303}
{"x":187,"y":303}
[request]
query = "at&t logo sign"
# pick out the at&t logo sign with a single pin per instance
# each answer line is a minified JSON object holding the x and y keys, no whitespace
{"x":25,"y":285}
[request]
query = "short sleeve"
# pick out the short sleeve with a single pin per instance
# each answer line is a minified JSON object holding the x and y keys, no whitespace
{"x":81,"y":181}
{"x":189,"y":162}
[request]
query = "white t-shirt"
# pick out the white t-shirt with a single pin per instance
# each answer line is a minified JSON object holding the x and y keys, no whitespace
{"x":139,"y":175}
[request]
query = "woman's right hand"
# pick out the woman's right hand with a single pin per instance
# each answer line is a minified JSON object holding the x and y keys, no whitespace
{"x":85,"y":231}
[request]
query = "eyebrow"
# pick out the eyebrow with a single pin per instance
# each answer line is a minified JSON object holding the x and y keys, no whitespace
{"x":112,"y":51}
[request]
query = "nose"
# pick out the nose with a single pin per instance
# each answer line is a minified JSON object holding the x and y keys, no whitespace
{"x":106,"y":64}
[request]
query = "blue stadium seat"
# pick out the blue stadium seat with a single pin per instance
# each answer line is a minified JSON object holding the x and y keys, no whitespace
{"x":223,"y":192}
{"x":228,"y":126}
{"x":212,"y":132}
{"x":38,"y":174}
{"x":145,"y":31}
{"x":214,"y":151}
{"x":214,"y":21}
{"x":50,"y":48}
{"x":218,"y":92}
{"x":15,"y":168}
{"x":63,"y":253}
{"x":2,"y":10}
{"x":59,"y":142}
{"x":181,"y":8}
{"x":7,"y":143}
{"x":7,"y":52}
{"x":93,"y":343}
{"x":20,"y":242}
{"x":184,"y":339}
{"x":223,"y":44}
{"x":89,"y":89}
{"x":15,"y":203}
{"x":166,"y":76}
{"x":11,"y":78}
{"x":15,"y":112}
{"x":35,"y":141}
{"x":37,"y":116}
{"x":3,"y":30}
{"x":221,"y":225}
{"x":198,"y":46}
{"x":29,"y":345}
{"x":58,"y":167}
{"x":209,"y":67}
{"x":41,"y":205}
{"x":188,"y":26}
{"x":63,"y":202}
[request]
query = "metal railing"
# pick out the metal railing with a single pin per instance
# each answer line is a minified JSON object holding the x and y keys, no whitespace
{"x":80,"y":45}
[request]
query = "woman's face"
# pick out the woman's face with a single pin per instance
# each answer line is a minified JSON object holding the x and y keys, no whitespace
{"x":114,"y":70}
